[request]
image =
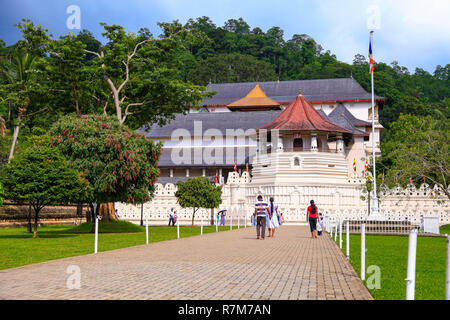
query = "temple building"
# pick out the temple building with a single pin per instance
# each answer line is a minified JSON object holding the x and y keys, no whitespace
{"x":220,"y":137}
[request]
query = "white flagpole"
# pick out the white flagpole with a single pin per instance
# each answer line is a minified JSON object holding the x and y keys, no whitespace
{"x":374,"y":196}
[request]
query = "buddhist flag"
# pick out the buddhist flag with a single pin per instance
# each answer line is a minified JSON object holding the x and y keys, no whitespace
{"x":367,"y":167}
{"x":382,"y":177}
{"x":424,"y":180}
{"x":246,"y":167}
{"x":354,"y":165}
{"x":371,"y":63}
{"x":410,"y":180}
{"x":216,"y":178}
{"x":235,"y":167}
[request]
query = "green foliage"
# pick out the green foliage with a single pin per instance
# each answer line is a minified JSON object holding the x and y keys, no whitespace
{"x":121,"y":165}
{"x":2,"y":194}
{"x":113,"y":226}
{"x":198,"y":193}
{"x":417,"y":148}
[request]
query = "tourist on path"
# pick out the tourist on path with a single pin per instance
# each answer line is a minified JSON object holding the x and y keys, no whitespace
{"x":222,"y":218}
{"x":272,"y":218}
{"x":260,"y":215}
{"x":311,"y":218}
{"x":171,"y":217}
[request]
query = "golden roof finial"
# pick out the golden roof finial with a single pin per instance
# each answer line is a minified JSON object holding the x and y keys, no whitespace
{"x":299,"y":92}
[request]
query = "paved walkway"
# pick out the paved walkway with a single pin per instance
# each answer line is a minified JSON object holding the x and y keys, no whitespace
{"x":224,"y":265}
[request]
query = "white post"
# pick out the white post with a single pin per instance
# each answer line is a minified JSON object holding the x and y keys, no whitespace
{"x":245,"y":220}
{"x":348,"y":240}
{"x":96,"y":235}
{"x":231,"y":222}
{"x":178,"y":228}
{"x":335,"y":230}
{"x":331,"y":231}
{"x":411,"y":272}
{"x":340,"y":234}
{"x":447,"y":280}
{"x":146,"y":230}
{"x":201,"y":227}
{"x":238,"y":222}
{"x":363,"y":251}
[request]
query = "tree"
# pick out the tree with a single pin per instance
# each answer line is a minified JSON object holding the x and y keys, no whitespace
{"x":40,"y":176}
{"x":198,"y":193}
{"x":2,"y":194}
{"x":121,"y":165}
{"x":417,"y":148}
{"x":20,"y":82}
{"x":143,"y":74}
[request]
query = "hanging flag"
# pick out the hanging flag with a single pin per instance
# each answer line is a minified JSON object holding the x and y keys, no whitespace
{"x":246,"y":167}
{"x":354,"y":165}
{"x":216,"y":178}
{"x":367,"y":167}
{"x":424,"y":180}
{"x":235,"y":167}
{"x":382,"y":177}
{"x":371,"y":63}
{"x":410,"y":179}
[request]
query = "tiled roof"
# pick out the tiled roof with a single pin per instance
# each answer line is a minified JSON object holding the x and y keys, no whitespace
{"x":300,"y":115}
{"x":343,"y":118}
{"x":341,"y":109}
{"x":346,"y":89}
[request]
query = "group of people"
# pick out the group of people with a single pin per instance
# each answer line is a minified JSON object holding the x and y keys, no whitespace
{"x":172,"y":216}
{"x":267,"y":215}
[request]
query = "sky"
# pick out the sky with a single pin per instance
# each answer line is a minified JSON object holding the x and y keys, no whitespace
{"x":416,"y":33}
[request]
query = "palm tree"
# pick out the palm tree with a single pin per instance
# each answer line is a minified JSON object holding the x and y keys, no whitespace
{"x":18,"y":77}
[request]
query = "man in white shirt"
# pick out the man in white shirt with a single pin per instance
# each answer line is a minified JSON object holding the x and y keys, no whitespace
{"x":260,"y":216}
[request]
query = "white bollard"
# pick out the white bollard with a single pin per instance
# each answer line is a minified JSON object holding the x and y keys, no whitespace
{"x":411,"y":272}
{"x":231,"y":223}
{"x":347,"y":244}
{"x":335,"y":230}
{"x":96,"y":235}
{"x":178,"y":228}
{"x":146,"y":230}
{"x":245,"y":220}
{"x":363,"y":251}
{"x":238,"y":222}
{"x":340,"y":234}
{"x":201,"y":227}
{"x":331,"y":232}
{"x":447,"y":280}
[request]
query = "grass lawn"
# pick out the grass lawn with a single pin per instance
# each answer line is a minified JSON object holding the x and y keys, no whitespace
{"x":18,"y":248}
{"x":390,"y":253}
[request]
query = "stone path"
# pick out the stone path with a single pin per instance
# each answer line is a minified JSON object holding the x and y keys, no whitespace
{"x":225,"y":265}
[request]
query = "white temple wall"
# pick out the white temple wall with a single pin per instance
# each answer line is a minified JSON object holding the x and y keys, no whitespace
{"x":239,"y":196}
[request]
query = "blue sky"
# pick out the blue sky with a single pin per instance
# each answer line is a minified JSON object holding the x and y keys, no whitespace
{"x":416,"y":33}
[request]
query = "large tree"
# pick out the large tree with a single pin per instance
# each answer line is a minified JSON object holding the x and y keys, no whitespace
{"x":143,"y":74}
{"x":120,"y":164}
{"x":416,"y":149}
{"x":198,"y":193}
{"x":41,"y":176}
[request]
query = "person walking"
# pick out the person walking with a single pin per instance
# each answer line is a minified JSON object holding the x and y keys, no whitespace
{"x":272,"y":222}
{"x":260,"y":216}
{"x":171,"y":217}
{"x":311,"y":218}
{"x":222,"y":218}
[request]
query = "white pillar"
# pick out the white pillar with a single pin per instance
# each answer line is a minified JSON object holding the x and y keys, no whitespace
{"x":171,"y":173}
{"x":447,"y":280}
{"x":96,"y":235}
{"x":187,"y":172}
{"x":363,"y":251}
{"x":203,"y":172}
{"x":314,"y":142}
{"x":340,"y":145}
{"x":238,"y":222}
{"x":411,"y":272}
{"x":146,"y":230}
{"x":348,"y":240}
{"x":340,"y":234}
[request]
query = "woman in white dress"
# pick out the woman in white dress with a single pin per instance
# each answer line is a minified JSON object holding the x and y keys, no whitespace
{"x":272,"y":218}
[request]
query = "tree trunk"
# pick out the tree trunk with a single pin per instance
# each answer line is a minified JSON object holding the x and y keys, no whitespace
{"x":36,"y":218}
{"x":29,"y":229}
{"x":14,"y":140}
{"x":107,"y":211}
{"x":193,"y":216}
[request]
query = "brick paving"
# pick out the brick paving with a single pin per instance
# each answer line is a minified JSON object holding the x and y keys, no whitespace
{"x":225,"y":265}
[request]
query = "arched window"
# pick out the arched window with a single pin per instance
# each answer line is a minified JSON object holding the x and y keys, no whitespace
{"x":296,"y":162}
{"x":298,"y":143}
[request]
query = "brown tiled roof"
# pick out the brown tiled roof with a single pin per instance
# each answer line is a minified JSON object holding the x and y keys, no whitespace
{"x":300,"y":115}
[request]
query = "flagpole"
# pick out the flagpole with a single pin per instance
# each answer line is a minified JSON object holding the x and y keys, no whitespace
{"x":375,"y":210}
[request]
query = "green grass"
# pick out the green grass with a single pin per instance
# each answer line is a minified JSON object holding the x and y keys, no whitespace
{"x":445,"y":229}
{"x":18,"y":248}
{"x":390,"y":253}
